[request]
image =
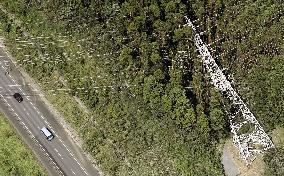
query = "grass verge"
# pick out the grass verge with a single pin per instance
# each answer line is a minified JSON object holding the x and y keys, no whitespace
{"x":15,"y":157}
{"x":258,"y":166}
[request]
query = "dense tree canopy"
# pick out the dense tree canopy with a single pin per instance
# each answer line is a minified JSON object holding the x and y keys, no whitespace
{"x":134,"y":63}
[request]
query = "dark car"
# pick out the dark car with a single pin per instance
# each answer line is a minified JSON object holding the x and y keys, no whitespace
{"x":18,"y":97}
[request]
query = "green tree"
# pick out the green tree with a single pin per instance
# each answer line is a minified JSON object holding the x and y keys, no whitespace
{"x":274,"y":160}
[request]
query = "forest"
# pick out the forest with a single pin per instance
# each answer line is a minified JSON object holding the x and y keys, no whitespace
{"x":135,"y":65}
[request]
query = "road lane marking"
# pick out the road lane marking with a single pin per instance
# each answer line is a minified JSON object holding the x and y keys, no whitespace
{"x":66,"y":148}
{"x":23,"y":124}
{"x":79,"y":164}
{"x":32,"y":136}
{"x":14,"y":85}
{"x":37,"y":111}
{"x":73,"y":172}
{"x":64,"y":145}
{"x":48,"y":124}
{"x":81,"y":167}
{"x":30,"y":132}
{"x":58,"y":153}
{"x":76,"y":160}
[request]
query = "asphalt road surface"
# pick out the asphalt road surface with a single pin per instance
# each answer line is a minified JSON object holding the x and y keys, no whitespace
{"x":60,"y":156}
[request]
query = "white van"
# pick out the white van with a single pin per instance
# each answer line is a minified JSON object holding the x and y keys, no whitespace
{"x":47,"y":133}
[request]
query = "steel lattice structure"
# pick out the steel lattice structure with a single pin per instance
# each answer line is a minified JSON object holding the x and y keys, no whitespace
{"x":251,"y":143}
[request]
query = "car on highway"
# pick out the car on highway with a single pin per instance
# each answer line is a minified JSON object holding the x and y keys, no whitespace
{"x":48,"y":134}
{"x":18,"y":97}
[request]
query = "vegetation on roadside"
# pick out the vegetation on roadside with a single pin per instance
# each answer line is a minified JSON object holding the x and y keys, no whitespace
{"x":274,"y":160}
{"x":15,"y":157}
{"x":134,"y":64}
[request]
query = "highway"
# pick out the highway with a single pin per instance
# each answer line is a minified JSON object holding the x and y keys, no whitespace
{"x":60,"y":156}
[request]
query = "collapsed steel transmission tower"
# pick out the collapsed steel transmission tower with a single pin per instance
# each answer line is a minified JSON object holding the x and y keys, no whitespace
{"x":251,"y":142}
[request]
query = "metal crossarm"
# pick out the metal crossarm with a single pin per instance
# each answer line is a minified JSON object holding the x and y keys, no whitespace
{"x":251,"y":142}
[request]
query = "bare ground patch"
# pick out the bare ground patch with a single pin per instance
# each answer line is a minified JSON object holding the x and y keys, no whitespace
{"x":255,"y":169}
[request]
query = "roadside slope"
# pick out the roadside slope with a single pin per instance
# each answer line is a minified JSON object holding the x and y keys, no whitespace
{"x":15,"y":157}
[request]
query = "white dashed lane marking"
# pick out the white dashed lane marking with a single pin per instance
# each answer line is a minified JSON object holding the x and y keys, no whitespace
{"x":14,"y":85}
{"x":29,"y":132}
{"x":73,"y":172}
{"x":64,"y":145}
{"x":76,"y":160}
{"x":66,"y":148}
{"x":39,"y":113}
{"x":58,"y":153}
{"x":79,"y":164}
{"x":22,"y":123}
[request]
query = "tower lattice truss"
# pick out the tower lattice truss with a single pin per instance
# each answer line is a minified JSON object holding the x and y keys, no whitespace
{"x":253,"y":141}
